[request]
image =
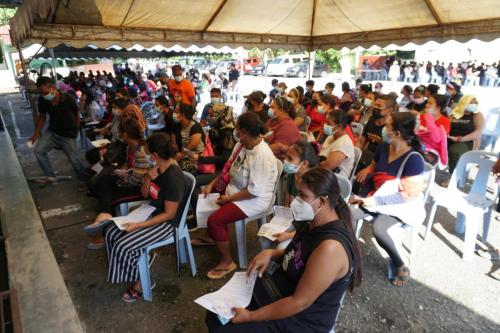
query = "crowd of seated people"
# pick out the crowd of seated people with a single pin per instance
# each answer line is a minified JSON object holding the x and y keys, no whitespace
{"x":309,"y":131}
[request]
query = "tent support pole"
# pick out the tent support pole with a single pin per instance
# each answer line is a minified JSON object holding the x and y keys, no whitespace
{"x":23,"y":65}
{"x":54,"y":73}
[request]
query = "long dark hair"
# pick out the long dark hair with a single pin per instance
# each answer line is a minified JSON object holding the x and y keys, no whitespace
{"x":286,"y":106}
{"x":324,"y":183}
{"x":404,"y":123}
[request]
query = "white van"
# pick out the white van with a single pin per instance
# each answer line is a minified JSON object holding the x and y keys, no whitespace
{"x":279,"y":65}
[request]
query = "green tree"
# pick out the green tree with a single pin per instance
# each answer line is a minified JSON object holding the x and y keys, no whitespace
{"x":6,"y":14}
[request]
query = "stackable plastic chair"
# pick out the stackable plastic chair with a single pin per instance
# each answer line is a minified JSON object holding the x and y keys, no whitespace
{"x":357,"y":128}
{"x":429,"y":175}
{"x":182,"y":243}
{"x":357,"y":157}
{"x":470,"y":206}
{"x":345,"y":187}
{"x":240,"y":226}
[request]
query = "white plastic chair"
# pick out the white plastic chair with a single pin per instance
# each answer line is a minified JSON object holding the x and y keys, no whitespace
{"x":182,"y":244}
{"x":471,"y":206}
{"x":345,"y":187}
{"x":240,"y":226}
{"x":429,"y":175}
{"x":357,"y":128}
{"x":357,"y":157}
{"x":492,"y":128}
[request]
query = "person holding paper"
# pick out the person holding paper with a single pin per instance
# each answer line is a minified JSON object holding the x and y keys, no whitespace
{"x":299,"y":158}
{"x":252,"y":178}
{"x":301,"y":288}
{"x":166,"y":187}
{"x":394,"y":181}
{"x":122,"y":182}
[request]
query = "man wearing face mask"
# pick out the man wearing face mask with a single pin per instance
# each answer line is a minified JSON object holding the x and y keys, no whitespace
{"x":183,"y":86}
{"x":371,"y":138}
{"x":309,"y":89}
{"x":215,"y":98}
{"x":64,"y":121}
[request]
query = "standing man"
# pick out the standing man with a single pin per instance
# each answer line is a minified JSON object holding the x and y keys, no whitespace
{"x":64,"y":121}
{"x":182,"y":86}
{"x":234,"y":75}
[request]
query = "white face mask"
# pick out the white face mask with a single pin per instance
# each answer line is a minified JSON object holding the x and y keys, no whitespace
{"x":367,"y":102}
{"x":116,"y":112}
{"x":302,"y":210}
{"x":178,"y":78}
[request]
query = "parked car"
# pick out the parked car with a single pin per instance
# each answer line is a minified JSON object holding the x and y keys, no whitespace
{"x":250,"y":63}
{"x":279,"y":65}
{"x":301,"y":70}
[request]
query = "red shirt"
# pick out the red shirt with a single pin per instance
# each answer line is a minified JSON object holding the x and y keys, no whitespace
{"x":317,"y":119}
{"x":445,"y":122}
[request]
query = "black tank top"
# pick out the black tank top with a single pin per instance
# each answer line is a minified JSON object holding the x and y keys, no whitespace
{"x":462,"y":126}
{"x":322,"y":314}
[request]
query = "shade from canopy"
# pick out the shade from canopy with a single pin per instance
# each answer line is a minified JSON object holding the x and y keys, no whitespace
{"x":291,"y":24}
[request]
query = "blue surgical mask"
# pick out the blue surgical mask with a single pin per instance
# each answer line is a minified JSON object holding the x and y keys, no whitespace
{"x":175,"y":118}
{"x":270,"y":113}
{"x":215,"y":100}
{"x":431,"y":110}
{"x":385,"y":136}
{"x":327,"y":129}
{"x":158,"y":109}
{"x":472,"y":108}
{"x":48,"y":97}
{"x":321,"y":109}
{"x":289,"y":167}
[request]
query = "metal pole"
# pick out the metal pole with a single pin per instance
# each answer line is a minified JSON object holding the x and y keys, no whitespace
{"x":23,"y":66}
{"x":54,"y":73}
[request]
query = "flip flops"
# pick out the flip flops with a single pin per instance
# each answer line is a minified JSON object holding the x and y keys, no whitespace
{"x":219,"y":273}
{"x":94,"y":227}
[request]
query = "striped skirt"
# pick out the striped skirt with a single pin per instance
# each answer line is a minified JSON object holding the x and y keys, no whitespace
{"x":124,"y":249}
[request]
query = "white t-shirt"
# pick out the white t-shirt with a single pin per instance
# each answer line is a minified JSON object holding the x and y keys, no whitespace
{"x":344,"y":145}
{"x":257,"y":171}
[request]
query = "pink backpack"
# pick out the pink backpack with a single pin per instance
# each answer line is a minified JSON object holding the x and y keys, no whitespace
{"x":208,"y":151}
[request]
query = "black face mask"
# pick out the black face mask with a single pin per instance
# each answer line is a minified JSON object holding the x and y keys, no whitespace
{"x":377,"y":113}
{"x":248,"y":104}
{"x":314,"y":102}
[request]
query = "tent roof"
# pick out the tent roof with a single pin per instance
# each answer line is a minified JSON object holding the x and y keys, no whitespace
{"x":297,"y":24}
{"x":91,"y":52}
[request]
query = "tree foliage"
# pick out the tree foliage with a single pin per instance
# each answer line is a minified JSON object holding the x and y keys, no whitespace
{"x":6,"y":14}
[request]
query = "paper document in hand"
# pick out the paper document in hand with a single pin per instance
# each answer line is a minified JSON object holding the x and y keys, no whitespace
{"x":100,"y":143}
{"x":205,"y":207}
{"x":237,"y":293}
{"x":97,"y":168}
{"x":138,"y":215}
{"x":281,"y":221}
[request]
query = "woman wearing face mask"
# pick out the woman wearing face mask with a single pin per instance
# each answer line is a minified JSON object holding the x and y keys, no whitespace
{"x":300,"y":112}
{"x":407,"y":98}
{"x":418,"y":103}
{"x":284,"y":131}
{"x":89,"y":107}
{"x":316,"y":113}
{"x":282,"y":89}
{"x":162,"y":106}
{"x":337,"y":152}
{"x":467,"y":124}
{"x":255,"y":103}
{"x":300,"y":158}
{"x":250,"y":175}
{"x":191,"y":135}
{"x":453,"y":95}
{"x":311,"y":275}
{"x":399,"y":154}
{"x":432,"y":132}
{"x":122,"y":182}
{"x":166,"y":188}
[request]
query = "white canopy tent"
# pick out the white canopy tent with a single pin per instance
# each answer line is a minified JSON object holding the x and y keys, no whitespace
{"x":291,"y":24}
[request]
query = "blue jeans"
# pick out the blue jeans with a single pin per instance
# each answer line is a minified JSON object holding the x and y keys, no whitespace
{"x":51,"y":140}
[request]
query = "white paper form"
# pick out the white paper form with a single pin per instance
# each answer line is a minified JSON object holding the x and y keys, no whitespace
{"x":205,"y":207}
{"x":100,"y":143}
{"x":142,"y":213}
{"x":236,"y":293}
{"x":281,"y":221}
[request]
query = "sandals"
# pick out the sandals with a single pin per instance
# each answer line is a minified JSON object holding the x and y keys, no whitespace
{"x":96,"y":244}
{"x":402,"y":277}
{"x":490,"y":255}
{"x":131,"y":294}
{"x":201,"y":242}
{"x":94,"y":227}
{"x":219,"y":273}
